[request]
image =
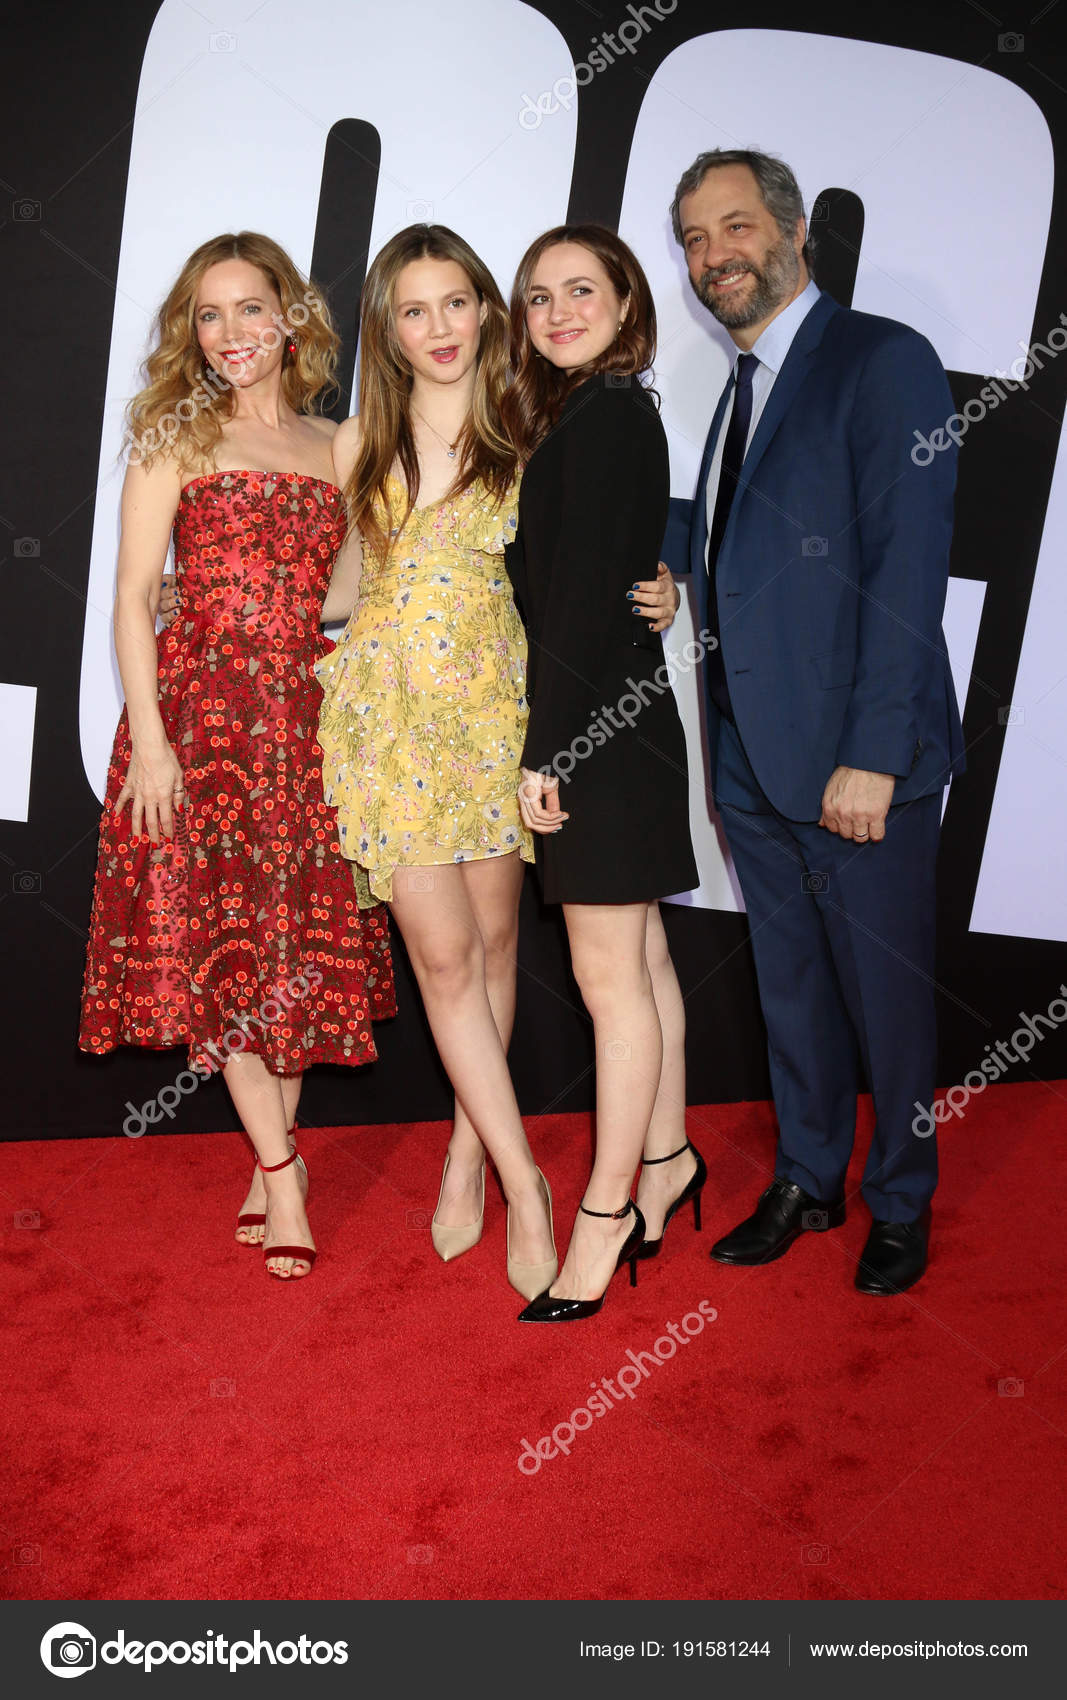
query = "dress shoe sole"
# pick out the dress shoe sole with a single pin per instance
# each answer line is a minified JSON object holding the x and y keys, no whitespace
{"x":883,"y":1289}
{"x":754,"y":1262}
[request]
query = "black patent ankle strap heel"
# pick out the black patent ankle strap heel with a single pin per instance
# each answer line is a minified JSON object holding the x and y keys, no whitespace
{"x":692,"y":1190}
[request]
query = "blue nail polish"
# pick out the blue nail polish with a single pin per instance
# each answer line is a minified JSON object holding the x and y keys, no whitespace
{"x":629,"y":596}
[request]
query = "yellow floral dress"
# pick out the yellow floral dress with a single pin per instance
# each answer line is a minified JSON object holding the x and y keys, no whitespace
{"x":424,"y":711}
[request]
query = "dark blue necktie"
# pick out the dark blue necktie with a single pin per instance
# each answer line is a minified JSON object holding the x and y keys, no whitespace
{"x":733,"y":454}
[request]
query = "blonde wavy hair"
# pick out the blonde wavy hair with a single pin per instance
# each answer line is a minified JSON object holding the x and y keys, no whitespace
{"x":483,"y":449}
{"x":184,"y":404}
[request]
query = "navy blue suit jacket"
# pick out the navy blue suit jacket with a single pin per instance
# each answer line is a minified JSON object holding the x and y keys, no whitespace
{"x":834,"y":565}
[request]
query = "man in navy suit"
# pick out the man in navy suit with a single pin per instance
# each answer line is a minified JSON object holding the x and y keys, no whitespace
{"x":820,"y":552}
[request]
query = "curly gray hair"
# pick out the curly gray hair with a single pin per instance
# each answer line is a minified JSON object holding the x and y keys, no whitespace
{"x":777,"y":186}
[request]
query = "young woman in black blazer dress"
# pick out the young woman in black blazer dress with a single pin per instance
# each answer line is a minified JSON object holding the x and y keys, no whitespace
{"x":605,"y":785}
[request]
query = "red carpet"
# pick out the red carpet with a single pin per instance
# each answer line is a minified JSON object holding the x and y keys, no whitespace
{"x":177,"y":1426}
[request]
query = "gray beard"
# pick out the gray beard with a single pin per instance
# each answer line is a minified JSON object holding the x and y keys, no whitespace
{"x":774,"y":284}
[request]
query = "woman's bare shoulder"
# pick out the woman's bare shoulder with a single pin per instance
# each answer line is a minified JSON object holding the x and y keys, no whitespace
{"x":345,"y":447}
{"x":349,"y":433}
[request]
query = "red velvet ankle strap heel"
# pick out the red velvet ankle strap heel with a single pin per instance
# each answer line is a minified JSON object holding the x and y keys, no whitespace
{"x":257,"y":1218}
{"x":272,"y":1168}
{"x":305,"y":1253}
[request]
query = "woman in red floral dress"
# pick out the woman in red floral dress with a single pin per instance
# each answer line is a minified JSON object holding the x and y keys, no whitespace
{"x":224,"y":918}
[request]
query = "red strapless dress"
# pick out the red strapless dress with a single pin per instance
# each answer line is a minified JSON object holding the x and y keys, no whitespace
{"x":248,"y":922}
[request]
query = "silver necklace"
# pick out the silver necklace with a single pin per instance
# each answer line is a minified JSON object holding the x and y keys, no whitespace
{"x":449,"y":448}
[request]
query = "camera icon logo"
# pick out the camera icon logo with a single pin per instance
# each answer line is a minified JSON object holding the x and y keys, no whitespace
{"x":618,"y":380}
{"x":617,"y":1050}
{"x":223,"y":42}
{"x":816,"y":1221}
{"x":1010,"y":1388}
{"x":25,"y":211}
{"x":26,"y":1219}
{"x":420,"y":212}
{"x":68,"y":1649}
{"x":814,"y":883}
{"x":418,"y":1217}
{"x":26,"y":548}
{"x":1010,"y":42}
{"x":815,"y":1554}
{"x":26,"y":882}
{"x":420,"y":1555}
{"x":814,"y":546}
{"x":1011,"y":714}
{"x":820,"y":211}
{"x":420,"y":879}
{"x":223,"y":1387}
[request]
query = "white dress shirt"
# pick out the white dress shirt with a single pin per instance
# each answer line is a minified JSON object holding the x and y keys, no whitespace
{"x":770,"y":349}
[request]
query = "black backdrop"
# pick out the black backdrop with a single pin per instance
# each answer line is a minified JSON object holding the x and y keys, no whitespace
{"x":73,"y":73}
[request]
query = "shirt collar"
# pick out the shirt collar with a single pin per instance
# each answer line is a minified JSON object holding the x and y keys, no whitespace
{"x":773,"y":344}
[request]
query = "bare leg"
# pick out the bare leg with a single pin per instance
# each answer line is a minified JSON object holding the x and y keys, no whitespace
{"x":608,"y":957}
{"x":260,"y":1103}
{"x":493,"y":889}
{"x":255,"y":1201}
{"x":660,"y":1185}
{"x":444,"y":946}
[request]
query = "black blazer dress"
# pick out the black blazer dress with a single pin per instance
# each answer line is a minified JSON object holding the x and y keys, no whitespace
{"x":592,"y":512}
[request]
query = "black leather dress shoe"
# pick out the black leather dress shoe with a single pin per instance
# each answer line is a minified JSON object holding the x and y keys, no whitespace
{"x":784,"y":1212}
{"x":894,"y":1257}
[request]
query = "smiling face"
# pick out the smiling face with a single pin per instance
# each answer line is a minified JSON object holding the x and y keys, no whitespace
{"x":437,"y":317}
{"x":740,"y":264}
{"x":572,"y":308}
{"x":234,"y":323}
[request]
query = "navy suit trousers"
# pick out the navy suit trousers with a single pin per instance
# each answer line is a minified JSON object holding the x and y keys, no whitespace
{"x":843,"y":937}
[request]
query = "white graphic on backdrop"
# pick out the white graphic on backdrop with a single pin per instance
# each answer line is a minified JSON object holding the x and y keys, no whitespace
{"x":1021,"y":887}
{"x":18,"y":711}
{"x":936,"y":150}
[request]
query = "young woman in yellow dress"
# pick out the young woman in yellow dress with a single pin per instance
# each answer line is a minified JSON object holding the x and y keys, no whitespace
{"x":424,"y":711}
{"x":423,"y":717}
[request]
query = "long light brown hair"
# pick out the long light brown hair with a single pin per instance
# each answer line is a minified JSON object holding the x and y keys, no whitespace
{"x":533,"y":402}
{"x":184,"y":404}
{"x":483,"y":449}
